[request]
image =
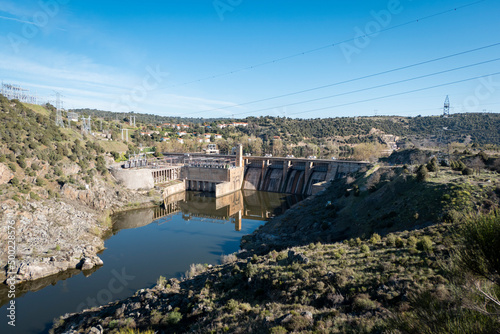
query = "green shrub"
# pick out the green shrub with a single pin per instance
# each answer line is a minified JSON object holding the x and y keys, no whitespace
{"x":12,"y":167}
{"x":425,"y":244}
{"x":422,"y":173}
{"x":480,"y":246}
{"x":365,"y":249}
{"x":399,"y":242}
{"x":14,"y":181}
{"x":278,"y":330}
{"x":40,"y":182}
{"x":390,"y":240}
{"x":363,"y":303}
{"x":412,"y":241}
{"x":375,"y":239}
{"x":173,"y":317}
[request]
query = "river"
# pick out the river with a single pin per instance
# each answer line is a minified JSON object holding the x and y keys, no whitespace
{"x":144,"y":245}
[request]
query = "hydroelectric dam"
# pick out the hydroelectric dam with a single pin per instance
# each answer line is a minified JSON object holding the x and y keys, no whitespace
{"x":225,"y":174}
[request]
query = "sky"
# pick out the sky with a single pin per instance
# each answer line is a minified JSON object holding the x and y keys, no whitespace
{"x":240,"y":58}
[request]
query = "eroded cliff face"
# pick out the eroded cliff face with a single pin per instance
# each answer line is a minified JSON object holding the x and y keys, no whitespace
{"x":59,"y":234}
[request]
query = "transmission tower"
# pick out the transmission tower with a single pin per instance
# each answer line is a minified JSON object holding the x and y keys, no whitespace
{"x":59,"y":120}
{"x":446,"y":108}
{"x":86,"y":127}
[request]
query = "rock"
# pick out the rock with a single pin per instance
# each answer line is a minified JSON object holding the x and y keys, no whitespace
{"x":308,"y":315}
{"x":5,"y":174}
{"x":297,"y":257}
{"x":85,"y":264}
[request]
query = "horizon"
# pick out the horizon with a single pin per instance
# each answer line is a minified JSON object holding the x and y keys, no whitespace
{"x":236,"y":59}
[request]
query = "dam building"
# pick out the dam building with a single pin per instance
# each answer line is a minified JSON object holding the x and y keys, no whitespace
{"x":225,"y":174}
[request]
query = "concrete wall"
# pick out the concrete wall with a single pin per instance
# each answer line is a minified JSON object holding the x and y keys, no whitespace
{"x":174,"y":189}
{"x":206,"y":174}
{"x":134,"y":179}
{"x":234,"y":184}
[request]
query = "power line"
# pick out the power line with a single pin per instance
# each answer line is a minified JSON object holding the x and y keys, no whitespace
{"x":350,"y":80}
{"x":396,"y":94}
{"x":329,"y":45}
{"x":370,"y":88}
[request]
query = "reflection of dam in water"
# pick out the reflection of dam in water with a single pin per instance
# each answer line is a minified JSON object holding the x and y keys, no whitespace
{"x":232,"y":208}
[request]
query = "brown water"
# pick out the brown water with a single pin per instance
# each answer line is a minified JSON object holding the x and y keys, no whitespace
{"x":144,"y":244}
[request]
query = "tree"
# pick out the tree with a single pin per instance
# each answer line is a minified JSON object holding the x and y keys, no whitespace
{"x":422,"y":173}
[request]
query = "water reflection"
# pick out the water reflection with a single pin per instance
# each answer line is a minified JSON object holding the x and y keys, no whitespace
{"x":232,"y":208}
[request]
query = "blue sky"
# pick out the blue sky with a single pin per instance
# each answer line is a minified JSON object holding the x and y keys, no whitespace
{"x":150,"y":56}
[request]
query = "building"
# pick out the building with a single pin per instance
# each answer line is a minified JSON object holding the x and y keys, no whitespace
{"x":212,"y":149}
{"x":217,"y":136}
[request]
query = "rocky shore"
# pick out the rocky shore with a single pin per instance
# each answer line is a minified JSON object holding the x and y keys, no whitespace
{"x":60,"y":234}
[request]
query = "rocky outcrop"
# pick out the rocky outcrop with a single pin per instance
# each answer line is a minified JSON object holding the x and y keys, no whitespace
{"x":5,"y":174}
{"x":51,"y":237}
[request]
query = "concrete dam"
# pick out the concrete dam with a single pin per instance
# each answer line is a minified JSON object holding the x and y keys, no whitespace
{"x":225,"y":174}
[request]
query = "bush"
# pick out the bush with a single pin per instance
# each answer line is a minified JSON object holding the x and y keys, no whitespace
{"x":14,"y":181}
{"x":399,"y":242}
{"x":467,"y":171}
{"x":422,"y":173}
{"x":278,"y":330}
{"x":375,"y":239}
{"x":365,"y":249}
{"x":480,"y":246}
{"x":173,"y":317}
{"x":425,"y":244}
{"x":390,"y":240}
{"x":34,"y":196}
{"x":40,"y":182}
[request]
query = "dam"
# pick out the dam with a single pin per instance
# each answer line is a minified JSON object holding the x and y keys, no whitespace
{"x":225,"y":174}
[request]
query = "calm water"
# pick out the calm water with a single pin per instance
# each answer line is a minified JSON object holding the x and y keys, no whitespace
{"x":143,"y":245}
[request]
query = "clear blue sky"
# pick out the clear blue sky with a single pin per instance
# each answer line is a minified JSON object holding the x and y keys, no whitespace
{"x":147,"y":56}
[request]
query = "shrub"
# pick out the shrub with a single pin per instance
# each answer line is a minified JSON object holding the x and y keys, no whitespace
{"x":412,"y":241}
{"x":363,"y":303}
{"x":173,"y":317}
{"x":375,"y":239}
{"x":40,"y":182}
{"x":365,"y":249}
{"x":14,"y":181}
{"x":399,"y":242}
{"x":278,"y":330}
{"x":224,"y":259}
{"x":422,"y":173}
{"x":232,"y":305}
{"x":390,"y":240}
{"x":480,"y":246}
{"x":467,"y":171}
{"x":425,"y":244}
{"x":160,"y":282}
{"x":251,"y":270}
